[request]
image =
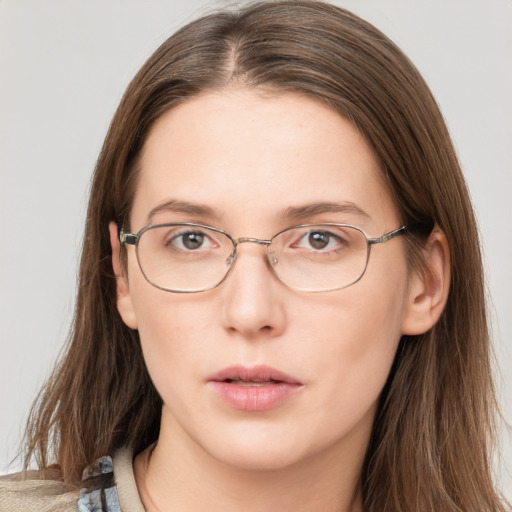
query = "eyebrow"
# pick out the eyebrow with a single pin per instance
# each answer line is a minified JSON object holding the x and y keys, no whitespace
{"x":310,"y":210}
{"x":173,"y":205}
{"x":292,"y":212}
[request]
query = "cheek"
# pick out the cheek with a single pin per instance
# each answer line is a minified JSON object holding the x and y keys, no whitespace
{"x":175,"y":334}
{"x":355,"y":343}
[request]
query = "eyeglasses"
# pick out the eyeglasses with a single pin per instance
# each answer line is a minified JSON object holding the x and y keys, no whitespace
{"x":189,"y":257}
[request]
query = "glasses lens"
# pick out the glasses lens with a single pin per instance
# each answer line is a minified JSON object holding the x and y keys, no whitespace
{"x":319,"y":257}
{"x":184,"y":258}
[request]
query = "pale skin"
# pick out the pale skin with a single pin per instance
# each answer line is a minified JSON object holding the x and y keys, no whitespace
{"x":250,"y":157}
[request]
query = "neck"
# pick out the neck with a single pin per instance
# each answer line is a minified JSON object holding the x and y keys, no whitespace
{"x":177,"y":475}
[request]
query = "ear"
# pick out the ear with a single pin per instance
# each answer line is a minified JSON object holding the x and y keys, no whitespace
{"x":428,"y":291}
{"x":123,"y":297}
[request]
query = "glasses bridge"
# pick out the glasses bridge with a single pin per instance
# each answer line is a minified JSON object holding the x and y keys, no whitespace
{"x":258,"y":241}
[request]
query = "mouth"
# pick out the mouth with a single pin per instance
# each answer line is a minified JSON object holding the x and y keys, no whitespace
{"x":241,"y":382}
{"x":257,"y":388}
{"x":260,"y":375}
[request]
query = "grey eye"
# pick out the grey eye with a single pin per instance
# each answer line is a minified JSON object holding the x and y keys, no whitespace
{"x":193,"y":240}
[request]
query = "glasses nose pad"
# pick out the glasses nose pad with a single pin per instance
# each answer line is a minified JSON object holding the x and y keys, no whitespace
{"x":230,"y":259}
{"x":272,"y":259}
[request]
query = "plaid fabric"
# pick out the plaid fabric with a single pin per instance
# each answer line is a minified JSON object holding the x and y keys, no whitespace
{"x":99,"y":490}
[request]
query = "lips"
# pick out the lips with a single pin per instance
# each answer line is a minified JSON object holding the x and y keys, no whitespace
{"x":257,"y":388}
{"x":257,"y":374}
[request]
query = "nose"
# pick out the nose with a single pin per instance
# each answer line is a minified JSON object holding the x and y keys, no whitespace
{"x":253,"y":301}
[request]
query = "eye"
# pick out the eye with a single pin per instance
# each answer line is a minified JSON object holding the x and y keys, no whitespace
{"x":191,"y":241}
{"x":320,"y":240}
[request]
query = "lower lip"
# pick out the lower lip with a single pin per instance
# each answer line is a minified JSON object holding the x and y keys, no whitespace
{"x":255,"y":398}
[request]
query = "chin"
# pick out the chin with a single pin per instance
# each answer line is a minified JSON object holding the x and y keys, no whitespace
{"x":259,"y":459}
{"x":260,"y":451}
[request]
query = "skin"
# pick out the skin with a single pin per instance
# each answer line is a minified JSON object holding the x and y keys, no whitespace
{"x":249,"y":157}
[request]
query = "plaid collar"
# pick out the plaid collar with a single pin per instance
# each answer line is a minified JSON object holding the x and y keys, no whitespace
{"x":99,"y":491}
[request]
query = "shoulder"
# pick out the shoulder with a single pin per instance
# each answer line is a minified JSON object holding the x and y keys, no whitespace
{"x":102,"y":488}
{"x":29,"y":493}
{"x":125,"y":481}
{"x":109,"y":485}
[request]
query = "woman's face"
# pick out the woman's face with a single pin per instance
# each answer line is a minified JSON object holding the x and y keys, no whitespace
{"x":253,"y":165}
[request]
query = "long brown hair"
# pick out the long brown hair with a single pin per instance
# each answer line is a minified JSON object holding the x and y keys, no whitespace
{"x":432,"y":434}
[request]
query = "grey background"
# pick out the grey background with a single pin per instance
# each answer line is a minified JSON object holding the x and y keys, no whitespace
{"x":63,"y":67}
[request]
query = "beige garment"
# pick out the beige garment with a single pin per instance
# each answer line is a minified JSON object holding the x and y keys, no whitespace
{"x":35,"y":495}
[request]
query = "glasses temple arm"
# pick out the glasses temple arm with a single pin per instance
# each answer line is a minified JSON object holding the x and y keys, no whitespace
{"x":388,"y":236}
{"x":127,"y":238}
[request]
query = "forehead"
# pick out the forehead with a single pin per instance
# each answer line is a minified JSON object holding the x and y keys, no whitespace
{"x":248,"y":155}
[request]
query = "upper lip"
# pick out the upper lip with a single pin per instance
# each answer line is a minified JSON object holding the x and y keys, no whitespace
{"x":259,"y":373}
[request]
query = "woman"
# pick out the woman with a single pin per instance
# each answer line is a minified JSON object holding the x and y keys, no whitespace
{"x":273,"y":304}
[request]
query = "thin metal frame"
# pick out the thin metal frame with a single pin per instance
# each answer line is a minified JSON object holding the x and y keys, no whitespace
{"x":133,"y":239}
